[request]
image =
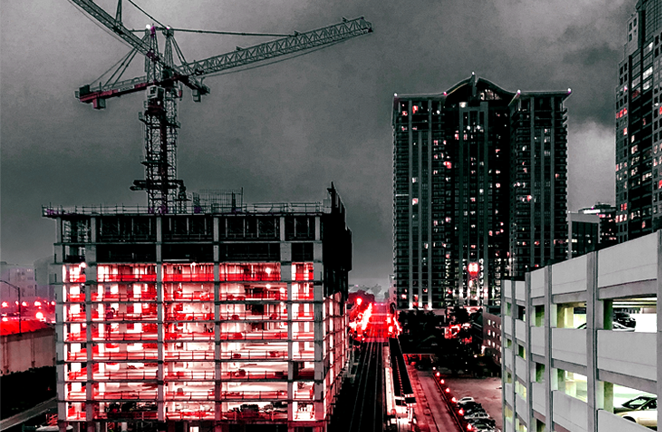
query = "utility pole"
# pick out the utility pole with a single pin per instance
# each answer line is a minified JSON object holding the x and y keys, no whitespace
{"x":20,"y":311}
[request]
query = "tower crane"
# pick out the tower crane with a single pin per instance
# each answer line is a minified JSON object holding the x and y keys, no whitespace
{"x":163,"y":82}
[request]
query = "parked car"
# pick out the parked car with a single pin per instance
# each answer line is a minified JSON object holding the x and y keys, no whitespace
{"x":488,"y":422}
{"x":477,"y":415}
{"x":470,"y":412}
{"x":615,"y":326}
{"x":465,"y":399}
{"x":646,"y":418}
{"x":640,"y":403}
{"x":625,"y":319}
{"x":470,"y":406}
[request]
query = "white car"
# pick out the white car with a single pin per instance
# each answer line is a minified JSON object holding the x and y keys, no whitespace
{"x":646,"y":417}
{"x":477,"y":415}
{"x":465,"y":400}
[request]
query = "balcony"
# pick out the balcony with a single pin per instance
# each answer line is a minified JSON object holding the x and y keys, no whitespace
{"x":538,"y":341}
{"x":608,"y":422}
{"x":569,"y":345}
{"x":635,"y":260}
{"x":636,"y":354}
{"x":569,"y":412}
{"x":538,"y":397}
{"x":570,"y":276}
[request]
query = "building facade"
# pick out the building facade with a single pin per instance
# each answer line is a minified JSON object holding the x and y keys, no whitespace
{"x":207,"y":318}
{"x":567,"y":366}
{"x":455,"y":158}
{"x":608,"y":229}
{"x":638,"y":125}
{"x":583,"y":233}
{"x":538,"y":178}
{"x":492,"y":333}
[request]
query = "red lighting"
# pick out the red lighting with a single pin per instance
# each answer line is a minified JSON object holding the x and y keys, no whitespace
{"x":442,"y":381}
{"x":473,"y":268}
{"x":469,"y":427}
{"x":461,"y":411}
{"x":39,"y":316}
{"x":448,"y":390}
{"x":37,"y":303}
{"x":5,"y":304}
{"x":359,"y":301}
{"x":437,"y":374}
{"x":5,"y":319}
{"x":24,"y":304}
{"x":454,"y":399}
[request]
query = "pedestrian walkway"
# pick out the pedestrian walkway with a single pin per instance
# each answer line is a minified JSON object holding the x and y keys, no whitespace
{"x":422,"y":412}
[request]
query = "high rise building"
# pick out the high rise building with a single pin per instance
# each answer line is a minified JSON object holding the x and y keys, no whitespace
{"x":583,"y":233}
{"x":223,"y":315}
{"x":639,"y":125}
{"x":455,"y":158}
{"x":538,"y":180}
{"x":607,"y":215}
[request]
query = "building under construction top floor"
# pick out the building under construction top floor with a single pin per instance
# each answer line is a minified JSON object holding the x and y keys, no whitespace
{"x":216,"y":316}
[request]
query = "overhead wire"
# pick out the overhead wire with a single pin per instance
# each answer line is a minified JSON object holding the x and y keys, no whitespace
{"x":148,"y":15}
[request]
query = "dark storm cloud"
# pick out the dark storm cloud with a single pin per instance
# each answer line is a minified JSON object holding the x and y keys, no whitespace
{"x":286,"y":130}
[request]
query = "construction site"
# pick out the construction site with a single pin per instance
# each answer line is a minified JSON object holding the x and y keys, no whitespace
{"x":197,"y":311}
{"x":212,"y":319}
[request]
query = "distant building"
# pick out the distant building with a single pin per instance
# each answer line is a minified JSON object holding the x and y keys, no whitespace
{"x":45,"y":273}
{"x":479,"y":191}
{"x":202,"y":319}
{"x":583,"y":233}
{"x":20,"y":276}
{"x":492,"y":333}
{"x":607,"y":215}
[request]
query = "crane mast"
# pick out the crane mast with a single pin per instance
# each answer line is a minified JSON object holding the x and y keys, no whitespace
{"x":163,"y":81}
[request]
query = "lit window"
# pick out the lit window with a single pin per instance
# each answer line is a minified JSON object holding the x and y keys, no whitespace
{"x":414,"y":201}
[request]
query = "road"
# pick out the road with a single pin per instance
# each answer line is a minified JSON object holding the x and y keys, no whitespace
{"x":27,"y":414}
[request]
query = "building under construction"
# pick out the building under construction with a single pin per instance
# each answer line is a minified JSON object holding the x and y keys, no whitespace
{"x":215,"y":317}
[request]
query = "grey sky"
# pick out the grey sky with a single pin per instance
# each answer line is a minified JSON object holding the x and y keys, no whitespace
{"x":286,"y":130}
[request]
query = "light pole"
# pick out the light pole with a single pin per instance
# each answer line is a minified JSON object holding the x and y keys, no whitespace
{"x":20,"y":311}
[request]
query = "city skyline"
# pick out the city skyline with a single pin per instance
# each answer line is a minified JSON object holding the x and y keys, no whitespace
{"x":284,"y":131}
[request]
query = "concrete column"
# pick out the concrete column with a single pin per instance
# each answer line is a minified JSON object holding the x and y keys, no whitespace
{"x":218,"y":385}
{"x":160,"y":392}
{"x":549,"y":323}
{"x":529,"y":319}
{"x":88,"y":289}
{"x":659,"y":321}
{"x":593,"y":320}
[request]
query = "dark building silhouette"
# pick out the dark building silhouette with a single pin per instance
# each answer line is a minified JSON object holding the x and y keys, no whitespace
{"x":456,"y":156}
{"x":638,"y":126}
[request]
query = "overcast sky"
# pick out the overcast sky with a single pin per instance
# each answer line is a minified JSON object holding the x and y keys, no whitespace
{"x":283,"y":132}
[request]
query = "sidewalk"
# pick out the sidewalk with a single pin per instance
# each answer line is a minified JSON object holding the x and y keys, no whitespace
{"x":422,"y":411}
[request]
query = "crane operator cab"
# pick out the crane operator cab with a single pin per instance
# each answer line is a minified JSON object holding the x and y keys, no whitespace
{"x":155,"y":92}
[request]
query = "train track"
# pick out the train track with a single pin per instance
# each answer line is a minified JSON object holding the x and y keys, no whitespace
{"x":368,"y":410}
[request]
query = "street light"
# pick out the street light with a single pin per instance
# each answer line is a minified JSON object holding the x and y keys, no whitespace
{"x":20,"y":311}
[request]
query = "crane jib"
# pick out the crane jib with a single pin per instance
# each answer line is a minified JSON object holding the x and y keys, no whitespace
{"x":106,"y":94}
